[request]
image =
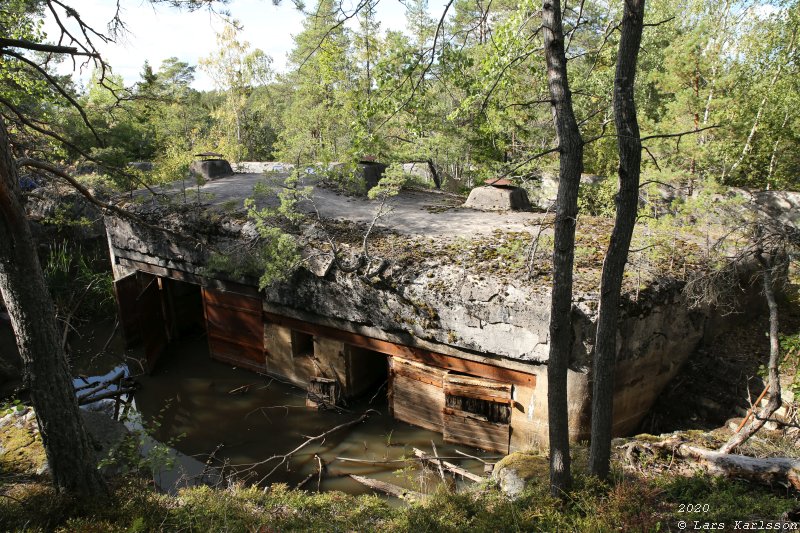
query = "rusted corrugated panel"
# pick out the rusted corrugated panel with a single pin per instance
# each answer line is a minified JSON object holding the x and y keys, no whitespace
{"x":151,"y":321}
{"x":235,"y":328}
{"x":127,"y":290}
{"x":415,"y":393}
{"x":475,"y":387}
{"x":461,"y":427}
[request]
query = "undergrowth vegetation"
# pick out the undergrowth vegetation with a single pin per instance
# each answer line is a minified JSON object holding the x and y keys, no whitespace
{"x":629,"y":503}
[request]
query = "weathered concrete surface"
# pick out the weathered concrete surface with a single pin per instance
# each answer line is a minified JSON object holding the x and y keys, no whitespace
{"x":211,"y":168}
{"x":61,"y":209}
{"x":784,"y":206}
{"x":427,"y":296}
{"x":490,"y":198}
{"x":428,"y":213}
{"x":543,"y":191}
{"x":260,"y":167}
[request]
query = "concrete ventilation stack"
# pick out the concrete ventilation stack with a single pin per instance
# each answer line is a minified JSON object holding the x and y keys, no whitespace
{"x":210,"y":165}
{"x":499,"y":194}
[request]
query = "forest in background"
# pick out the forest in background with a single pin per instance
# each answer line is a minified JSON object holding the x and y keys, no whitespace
{"x":468,"y":92}
{"x":716,"y":94}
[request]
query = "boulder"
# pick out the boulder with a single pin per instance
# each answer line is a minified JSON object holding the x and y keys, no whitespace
{"x":784,"y":206}
{"x":543,"y":191}
{"x":515,"y":471}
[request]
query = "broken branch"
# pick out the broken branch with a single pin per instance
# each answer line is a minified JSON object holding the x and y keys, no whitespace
{"x":388,"y":488}
{"x":285,"y":457}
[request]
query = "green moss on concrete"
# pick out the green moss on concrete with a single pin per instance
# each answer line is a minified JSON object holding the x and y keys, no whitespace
{"x":22,"y":450}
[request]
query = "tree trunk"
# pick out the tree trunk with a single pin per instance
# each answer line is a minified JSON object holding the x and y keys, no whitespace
{"x":570,"y":167}
{"x":774,"y":400}
{"x":630,"y":157}
{"x":435,"y":175}
{"x":45,"y":368}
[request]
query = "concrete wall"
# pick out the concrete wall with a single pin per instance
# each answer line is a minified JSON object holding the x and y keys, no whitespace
{"x":442,"y":308}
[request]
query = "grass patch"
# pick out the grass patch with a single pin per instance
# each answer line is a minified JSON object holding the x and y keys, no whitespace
{"x":629,"y":503}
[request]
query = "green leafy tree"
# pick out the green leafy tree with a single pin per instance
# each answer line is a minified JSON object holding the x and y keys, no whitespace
{"x":316,"y":122}
{"x":236,"y":71}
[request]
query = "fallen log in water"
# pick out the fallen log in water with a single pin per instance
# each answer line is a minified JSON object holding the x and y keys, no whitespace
{"x":449,"y":466}
{"x":388,"y":488}
{"x":84,"y":391}
{"x":285,"y":457}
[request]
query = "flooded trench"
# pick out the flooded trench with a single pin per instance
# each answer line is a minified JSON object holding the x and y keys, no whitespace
{"x":204,"y":407}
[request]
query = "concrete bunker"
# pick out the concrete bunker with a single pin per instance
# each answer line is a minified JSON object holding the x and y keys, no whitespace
{"x":498,"y":194}
{"x":210,"y":165}
{"x":430,"y":390}
{"x":464,"y":350}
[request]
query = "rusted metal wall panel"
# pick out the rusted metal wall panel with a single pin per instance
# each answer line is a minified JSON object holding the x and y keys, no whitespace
{"x":439,"y":360}
{"x":462,"y":427}
{"x":235,"y":328}
{"x":127,"y":290}
{"x":141,"y":313}
{"x":472,"y":428}
{"x":418,"y":395}
{"x":151,"y":320}
{"x":415,"y":393}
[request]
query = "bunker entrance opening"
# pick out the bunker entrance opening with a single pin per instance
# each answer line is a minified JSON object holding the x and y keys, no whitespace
{"x":467,"y":402}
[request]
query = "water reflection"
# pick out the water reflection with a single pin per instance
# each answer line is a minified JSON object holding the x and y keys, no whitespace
{"x":243,"y":418}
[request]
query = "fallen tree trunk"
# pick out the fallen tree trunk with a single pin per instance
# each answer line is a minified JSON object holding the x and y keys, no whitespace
{"x":285,"y":457}
{"x":774,"y":401}
{"x":93,"y":388}
{"x":768,"y":471}
{"x":110,"y":394}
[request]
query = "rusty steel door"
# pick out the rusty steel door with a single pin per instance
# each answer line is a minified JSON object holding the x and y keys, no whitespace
{"x":235,"y":328}
{"x":141,"y":315}
{"x":127,"y":290}
{"x":151,"y":320}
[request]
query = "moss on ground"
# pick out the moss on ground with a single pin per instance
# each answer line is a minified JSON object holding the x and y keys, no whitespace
{"x":21,"y":450}
{"x":630,"y":502}
{"x":645,"y":498}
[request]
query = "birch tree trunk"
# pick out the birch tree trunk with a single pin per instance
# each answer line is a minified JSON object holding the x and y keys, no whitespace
{"x":45,"y":368}
{"x":629,"y":147}
{"x":570,"y":146}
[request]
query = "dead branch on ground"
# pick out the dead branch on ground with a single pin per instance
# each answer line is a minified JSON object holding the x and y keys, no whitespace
{"x":768,"y":471}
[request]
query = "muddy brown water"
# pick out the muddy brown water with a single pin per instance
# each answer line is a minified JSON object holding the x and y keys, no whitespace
{"x":201,"y":406}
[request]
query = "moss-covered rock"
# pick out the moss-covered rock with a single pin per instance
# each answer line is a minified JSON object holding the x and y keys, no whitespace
{"x":515,"y":471}
{"x":21,"y":450}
